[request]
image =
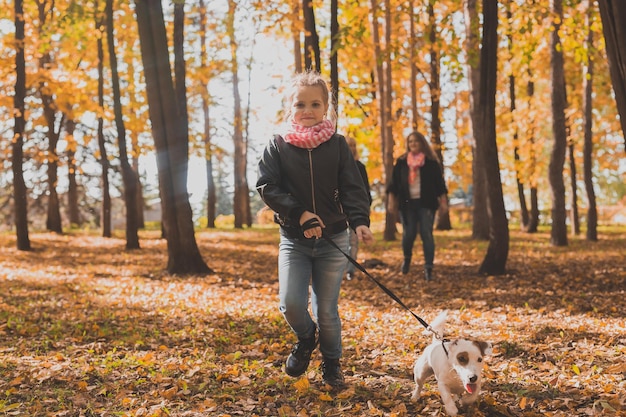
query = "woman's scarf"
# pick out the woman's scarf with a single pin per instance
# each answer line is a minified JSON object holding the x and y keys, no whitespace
{"x":309,"y":137}
{"x":415,"y":162}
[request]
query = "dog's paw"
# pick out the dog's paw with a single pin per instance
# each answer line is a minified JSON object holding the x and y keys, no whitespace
{"x":451,"y":409}
{"x":415,"y":396}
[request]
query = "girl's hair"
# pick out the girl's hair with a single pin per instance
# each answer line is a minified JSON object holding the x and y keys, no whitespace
{"x":309,"y":79}
{"x":425,"y":146}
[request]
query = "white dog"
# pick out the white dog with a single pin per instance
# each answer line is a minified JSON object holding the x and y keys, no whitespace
{"x":457,"y":365}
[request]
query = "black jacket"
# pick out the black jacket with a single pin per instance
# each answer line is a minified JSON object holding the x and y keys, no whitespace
{"x":324,"y":181}
{"x":432,"y":183}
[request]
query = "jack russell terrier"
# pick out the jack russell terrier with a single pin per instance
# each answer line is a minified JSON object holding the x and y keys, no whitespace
{"x":456,"y":364}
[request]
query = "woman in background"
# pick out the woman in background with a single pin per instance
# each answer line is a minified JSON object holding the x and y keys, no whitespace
{"x":418,"y":186}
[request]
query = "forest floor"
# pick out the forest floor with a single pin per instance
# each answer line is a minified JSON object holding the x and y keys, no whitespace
{"x":89,"y":329}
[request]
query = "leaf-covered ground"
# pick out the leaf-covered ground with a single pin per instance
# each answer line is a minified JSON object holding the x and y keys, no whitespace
{"x":89,"y":329}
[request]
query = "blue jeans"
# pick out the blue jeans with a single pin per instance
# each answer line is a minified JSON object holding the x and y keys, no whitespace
{"x":354,"y":250}
{"x":415,"y":217}
{"x":314,"y":261}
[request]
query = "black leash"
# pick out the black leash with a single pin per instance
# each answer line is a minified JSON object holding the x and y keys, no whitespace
{"x":388,"y":292}
{"x":311,"y":223}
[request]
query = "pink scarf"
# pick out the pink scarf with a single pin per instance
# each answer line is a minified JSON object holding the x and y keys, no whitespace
{"x":415,"y":162}
{"x":310,"y":137}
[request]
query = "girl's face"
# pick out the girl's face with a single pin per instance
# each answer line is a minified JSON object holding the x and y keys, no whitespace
{"x":415,"y":145}
{"x":309,"y":106}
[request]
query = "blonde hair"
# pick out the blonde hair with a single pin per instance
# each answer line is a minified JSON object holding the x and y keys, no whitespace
{"x":309,"y":79}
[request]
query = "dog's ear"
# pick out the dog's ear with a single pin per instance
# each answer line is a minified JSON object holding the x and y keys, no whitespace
{"x":485,"y":347}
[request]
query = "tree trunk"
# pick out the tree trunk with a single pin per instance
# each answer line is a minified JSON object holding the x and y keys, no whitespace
{"x":575,"y":218}
{"x":390,"y":216}
{"x":53,"y":220}
{"x":311,"y":39}
{"x":128,"y":174}
{"x":208,"y":151}
{"x":523,"y":207}
{"x":180,"y":78}
{"x":104,"y":159}
{"x":480,"y":218}
{"x":211,"y":192}
{"x":613,"y":15}
{"x":240,"y":204}
{"x":246,"y":133}
{"x":133,"y":108}
{"x":388,"y":145}
{"x":443,"y":214}
{"x":139,"y":193}
{"x":557,"y":159}
{"x":17,"y":157}
{"x":533,"y":221}
{"x":170,"y":142}
{"x":524,"y":216}
{"x":415,"y":117}
{"x":494,"y":262}
{"x":533,"y":225}
{"x":592,"y":213}
{"x":334,"y":50}
{"x":296,"y":32}
{"x":73,"y":213}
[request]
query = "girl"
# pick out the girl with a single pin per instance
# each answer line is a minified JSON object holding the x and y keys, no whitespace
{"x":308,"y":177}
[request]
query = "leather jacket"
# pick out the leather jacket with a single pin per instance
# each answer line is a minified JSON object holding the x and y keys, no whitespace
{"x":324,"y":180}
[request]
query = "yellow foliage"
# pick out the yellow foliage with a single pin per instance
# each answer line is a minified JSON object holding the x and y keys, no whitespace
{"x":302,"y":385}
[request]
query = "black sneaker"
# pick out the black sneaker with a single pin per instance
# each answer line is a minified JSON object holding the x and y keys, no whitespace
{"x":298,"y":361}
{"x":331,"y":373}
{"x":406,"y":264}
{"x":428,"y":274}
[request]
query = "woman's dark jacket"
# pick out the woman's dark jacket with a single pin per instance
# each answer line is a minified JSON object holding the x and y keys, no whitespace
{"x":432,"y":183}
{"x":324,"y":181}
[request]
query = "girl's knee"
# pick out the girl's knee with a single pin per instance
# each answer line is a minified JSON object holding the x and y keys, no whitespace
{"x":292,"y":309}
{"x":328,"y":315}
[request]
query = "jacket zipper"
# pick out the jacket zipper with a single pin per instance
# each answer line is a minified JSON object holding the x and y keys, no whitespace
{"x":312,"y":182}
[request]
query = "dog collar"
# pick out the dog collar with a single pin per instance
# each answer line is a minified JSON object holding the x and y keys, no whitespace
{"x":443,"y":345}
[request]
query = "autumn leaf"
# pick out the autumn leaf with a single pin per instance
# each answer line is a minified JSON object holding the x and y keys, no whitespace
{"x":324,"y":396}
{"x":216,"y":345}
{"x":302,"y":385}
{"x":286,"y":411}
{"x":522,"y":403}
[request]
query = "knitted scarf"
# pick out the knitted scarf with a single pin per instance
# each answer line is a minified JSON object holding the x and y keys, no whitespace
{"x":310,"y":137}
{"x":415,"y":162}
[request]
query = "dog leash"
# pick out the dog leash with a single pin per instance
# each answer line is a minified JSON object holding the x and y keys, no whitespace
{"x":314,"y":223}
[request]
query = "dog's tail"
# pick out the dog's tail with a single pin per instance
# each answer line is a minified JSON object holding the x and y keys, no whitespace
{"x":438,"y":324}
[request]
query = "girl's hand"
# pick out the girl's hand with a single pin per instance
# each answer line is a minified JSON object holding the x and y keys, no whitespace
{"x":364,"y":234}
{"x":314,"y":232}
